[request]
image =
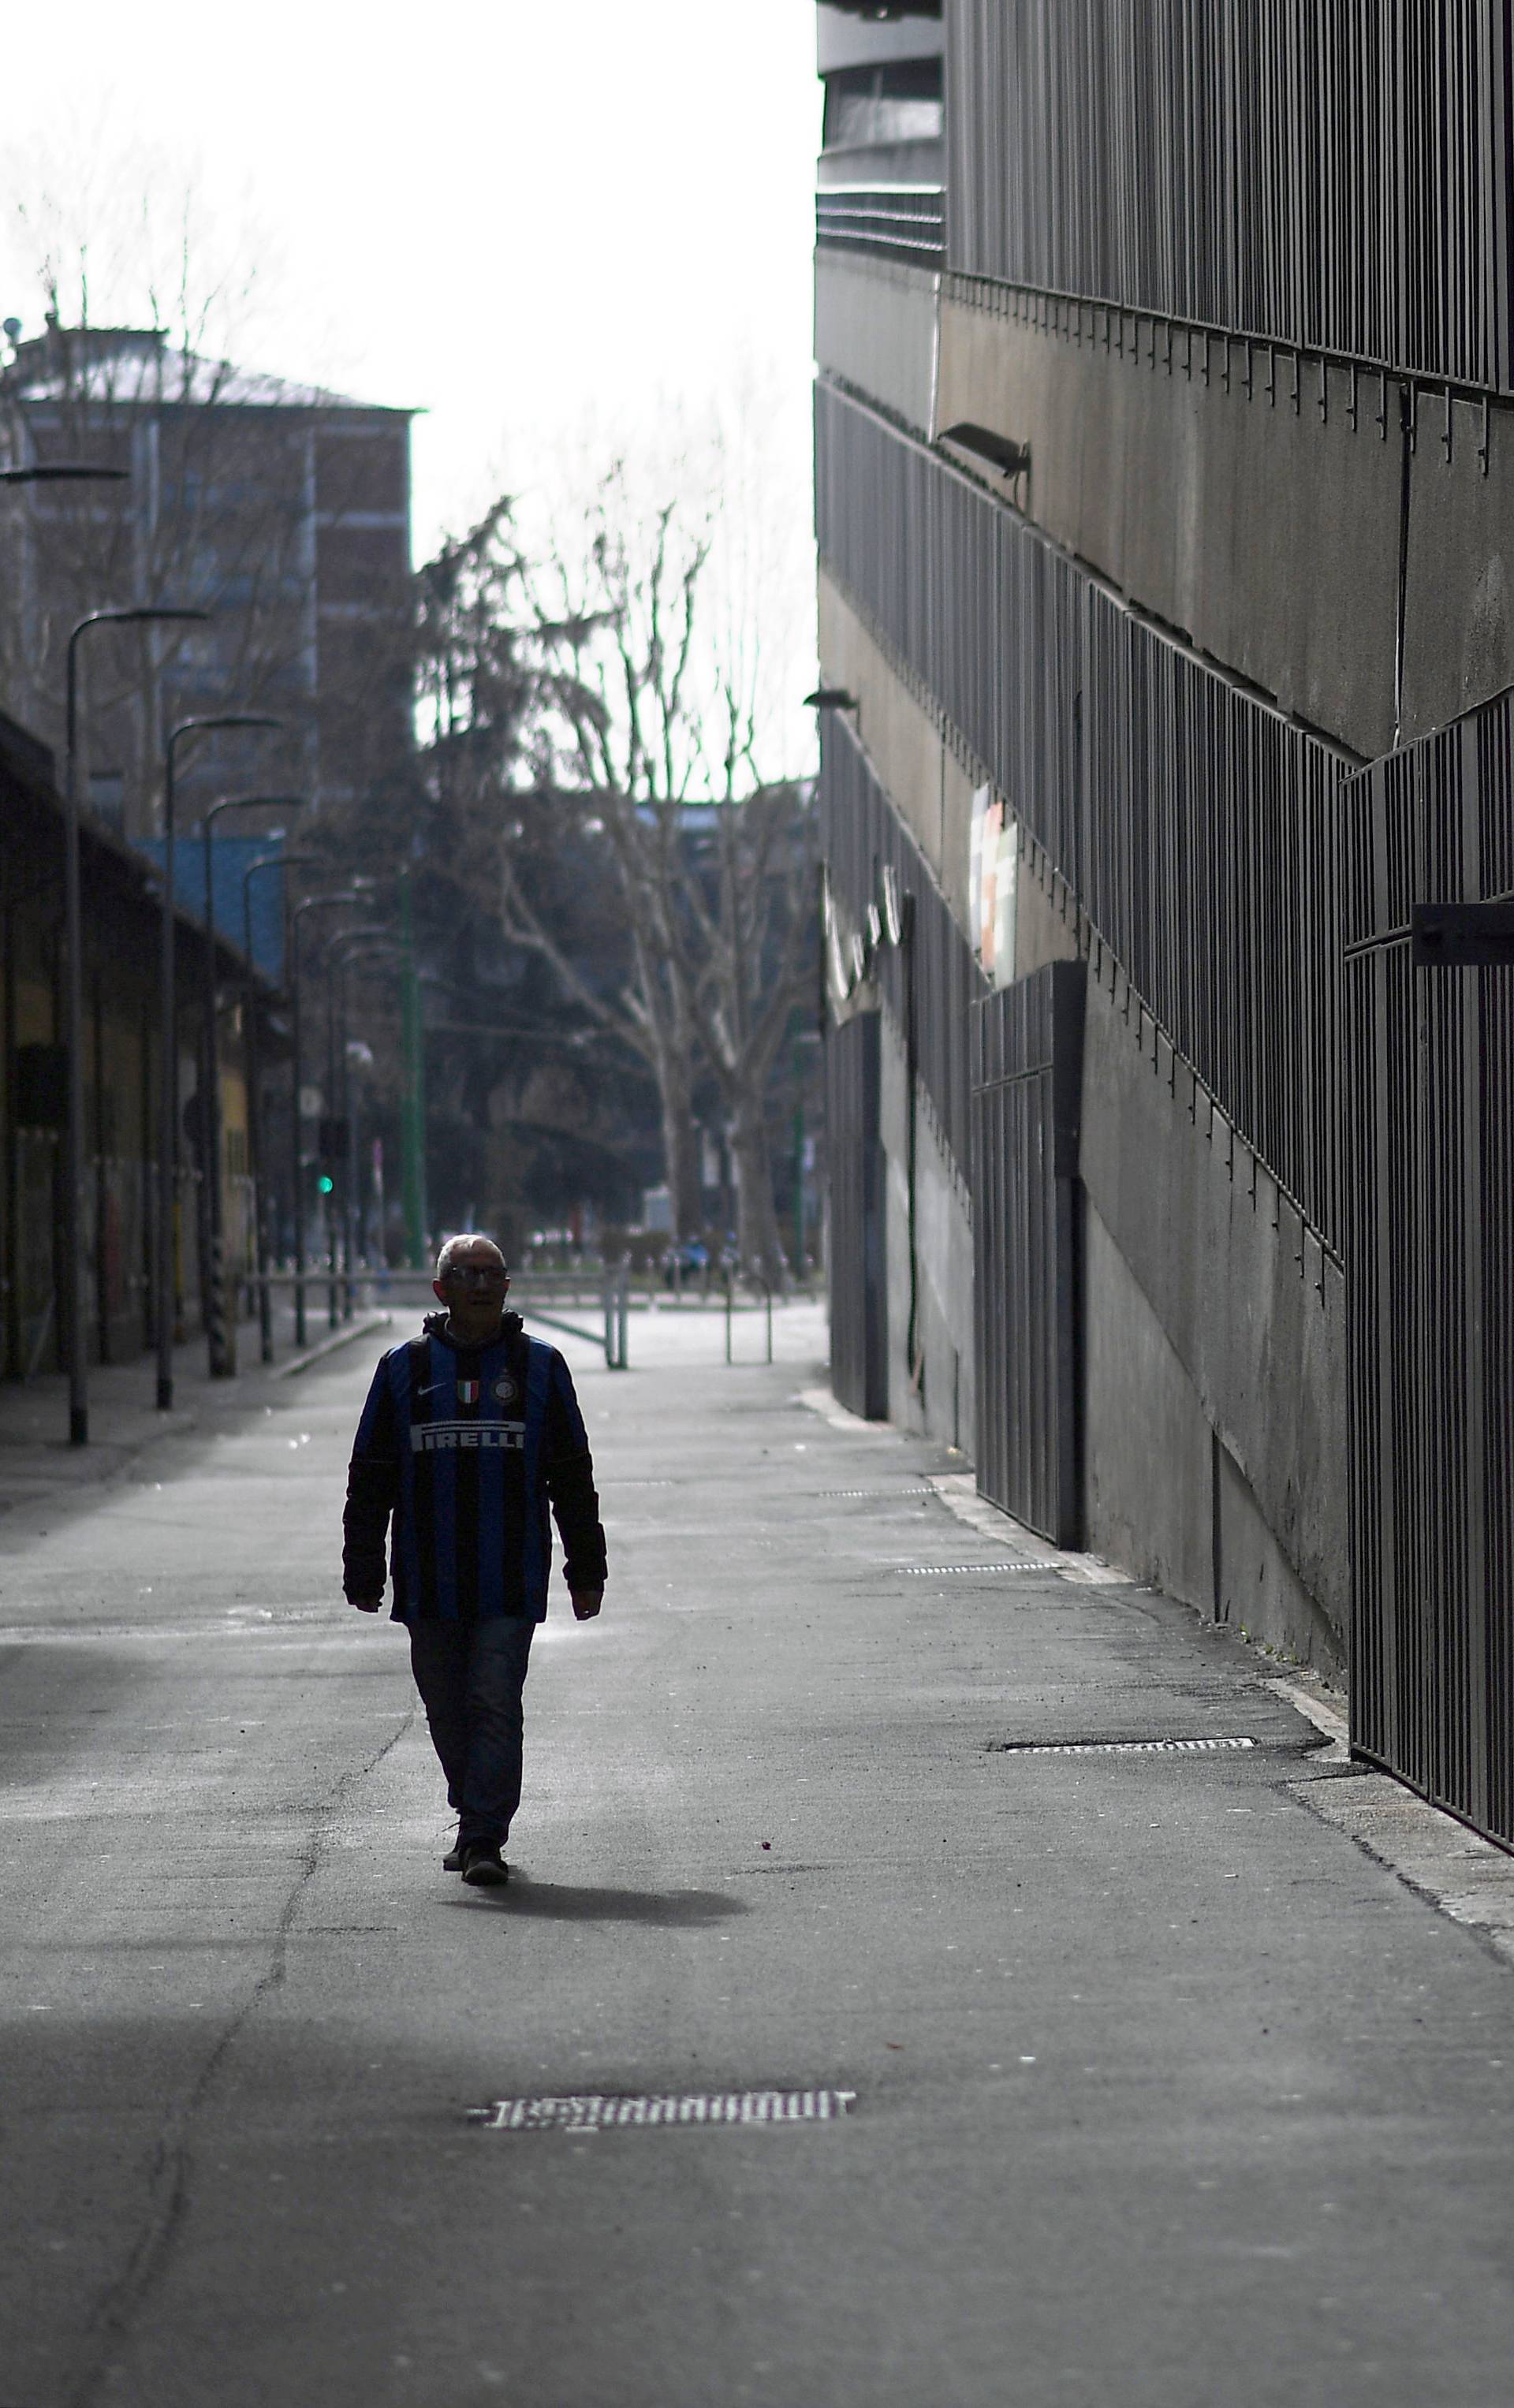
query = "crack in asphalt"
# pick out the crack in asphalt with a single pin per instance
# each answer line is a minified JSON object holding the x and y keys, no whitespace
{"x":110,"y":2324}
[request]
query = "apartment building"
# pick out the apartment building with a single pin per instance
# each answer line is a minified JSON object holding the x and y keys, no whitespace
{"x":1165,"y":503}
{"x":281,"y":509}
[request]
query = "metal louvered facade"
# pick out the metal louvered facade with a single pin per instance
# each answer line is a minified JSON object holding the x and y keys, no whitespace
{"x":1047,"y":673}
{"x":1027,"y":1066}
{"x":1194,"y":824}
{"x":1331,"y":177}
{"x":1428,"y":1094}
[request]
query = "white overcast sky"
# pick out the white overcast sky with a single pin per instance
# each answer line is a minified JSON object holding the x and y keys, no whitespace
{"x":556,"y":226}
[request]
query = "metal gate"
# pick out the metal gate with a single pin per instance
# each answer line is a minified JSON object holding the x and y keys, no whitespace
{"x":1027,"y":1062}
{"x":1430,"y":1157}
{"x":858,"y":1285}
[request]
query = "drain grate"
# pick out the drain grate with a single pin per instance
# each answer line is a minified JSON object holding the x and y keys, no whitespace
{"x":596,"y":2112}
{"x":934,"y":1571}
{"x":1115,"y":1746}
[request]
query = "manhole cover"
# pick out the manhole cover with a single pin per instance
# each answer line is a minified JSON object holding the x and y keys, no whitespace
{"x":1113,"y":1746}
{"x":598,"y":2113}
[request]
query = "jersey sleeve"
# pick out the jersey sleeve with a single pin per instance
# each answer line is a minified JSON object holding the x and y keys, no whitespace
{"x":567,"y":1469}
{"x":372,"y":1492}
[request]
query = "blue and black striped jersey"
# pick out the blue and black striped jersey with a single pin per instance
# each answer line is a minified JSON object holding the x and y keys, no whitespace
{"x":459,"y":1455}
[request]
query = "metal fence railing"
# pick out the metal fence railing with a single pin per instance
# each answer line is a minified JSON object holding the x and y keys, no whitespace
{"x":600,"y":1299}
{"x":1333,"y":178}
{"x":859,"y":1264}
{"x":1193,"y":825}
{"x":1027,"y":1068}
{"x":1428,"y":1094}
{"x":1260,"y":897}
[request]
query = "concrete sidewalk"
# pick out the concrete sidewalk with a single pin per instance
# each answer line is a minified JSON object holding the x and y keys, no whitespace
{"x":39,"y":1465}
{"x":1162,"y":2091}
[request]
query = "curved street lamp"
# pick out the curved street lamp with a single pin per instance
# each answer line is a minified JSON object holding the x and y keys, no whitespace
{"x":347,"y":900}
{"x":73,"y":1232}
{"x":254,"y":1093}
{"x":351,"y":945}
{"x":219,"y":1323}
{"x":168,"y":1046}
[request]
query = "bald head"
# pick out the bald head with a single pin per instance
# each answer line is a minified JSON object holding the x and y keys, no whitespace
{"x":470,"y":1248}
{"x":471,"y":1282}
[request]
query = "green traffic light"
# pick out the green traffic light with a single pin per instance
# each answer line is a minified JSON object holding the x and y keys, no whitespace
{"x":325,"y":1184}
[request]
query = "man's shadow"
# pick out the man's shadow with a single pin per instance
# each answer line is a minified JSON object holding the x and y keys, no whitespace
{"x":682,"y":1909}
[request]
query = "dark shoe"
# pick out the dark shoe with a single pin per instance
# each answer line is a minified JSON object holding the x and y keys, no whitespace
{"x":483,"y":1865}
{"x":452,"y":1861}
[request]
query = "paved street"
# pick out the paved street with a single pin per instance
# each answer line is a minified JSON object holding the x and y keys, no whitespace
{"x":1166,"y":2093}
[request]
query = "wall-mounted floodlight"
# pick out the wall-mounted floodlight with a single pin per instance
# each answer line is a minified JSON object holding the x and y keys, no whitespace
{"x":1000,"y":451}
{"x":63,"y":472}
{"x":830,"y":698}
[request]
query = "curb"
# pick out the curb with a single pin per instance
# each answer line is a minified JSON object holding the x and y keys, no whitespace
{"x":337,"y":1339}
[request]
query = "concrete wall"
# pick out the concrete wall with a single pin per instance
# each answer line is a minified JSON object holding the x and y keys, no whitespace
{"x":875,"y":329}
{"x":1269,"y":534}
{"x":1459,"y":611}
{"x":925,"y":780}
{"x":1215,"y":1395}
{"x":1213,"y":1327}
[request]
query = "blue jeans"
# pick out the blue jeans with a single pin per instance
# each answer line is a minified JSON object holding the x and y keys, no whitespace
{"x":471,"y":1675}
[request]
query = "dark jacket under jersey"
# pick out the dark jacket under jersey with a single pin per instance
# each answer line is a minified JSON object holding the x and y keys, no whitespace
{"x":466,"y":1447}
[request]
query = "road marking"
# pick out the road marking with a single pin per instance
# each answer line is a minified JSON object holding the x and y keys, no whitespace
{"x":597,"y":2111}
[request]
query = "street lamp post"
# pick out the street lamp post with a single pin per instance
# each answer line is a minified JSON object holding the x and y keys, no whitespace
{"x":169,"y":1047}
{"x":254,"y":1094}
{"x":219,"y":1324}
{"x":343,"y":950}
{"x":413,"y":1107}
{"x":74,"y":1150}
{"x":347,"y":900}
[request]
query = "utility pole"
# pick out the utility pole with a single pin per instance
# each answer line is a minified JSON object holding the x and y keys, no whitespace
{"x":412,"y":1110}
{"x":256,"y":1129}
{"x":798,"y":1163}
{"x":220,"y":1295}
{"x":165,"y":1261}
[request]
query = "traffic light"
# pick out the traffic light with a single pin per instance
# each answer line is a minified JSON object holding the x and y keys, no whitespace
{"x":326,"y":1183}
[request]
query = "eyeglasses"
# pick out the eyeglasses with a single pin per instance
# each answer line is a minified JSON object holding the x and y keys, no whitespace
{"x":476,"y":1274}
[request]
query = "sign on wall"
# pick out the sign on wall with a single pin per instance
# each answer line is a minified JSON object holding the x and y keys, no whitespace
{"x":993,"y":867}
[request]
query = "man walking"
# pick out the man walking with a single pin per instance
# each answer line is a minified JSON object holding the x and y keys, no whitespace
{"x":470,"y":1432}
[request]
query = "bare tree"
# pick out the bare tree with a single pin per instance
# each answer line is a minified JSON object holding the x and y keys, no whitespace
{"x":652,"y":727}
{"x":533,"y":1103}
{"x":750,"y":907}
